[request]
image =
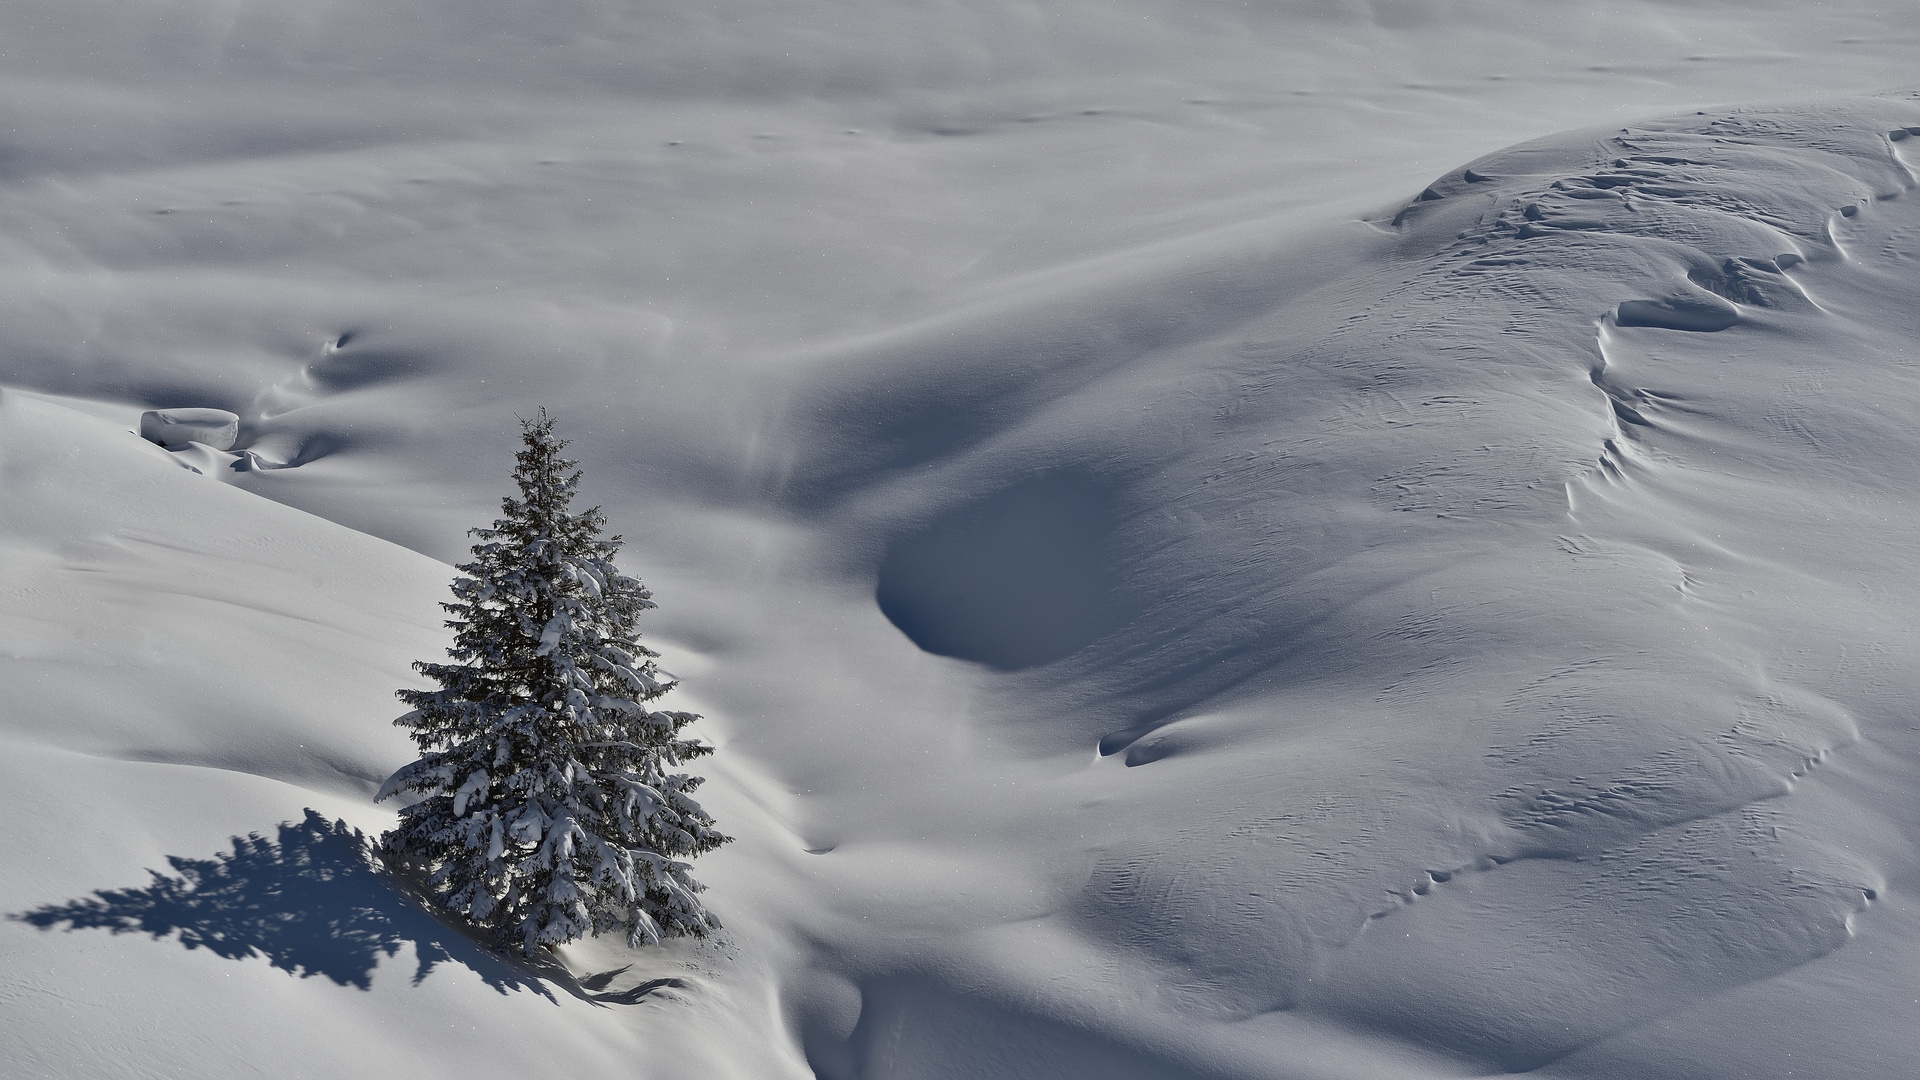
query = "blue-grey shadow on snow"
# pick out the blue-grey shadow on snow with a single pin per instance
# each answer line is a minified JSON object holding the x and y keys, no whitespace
{"x":1019,"y":578}
{"x":311,"y":900}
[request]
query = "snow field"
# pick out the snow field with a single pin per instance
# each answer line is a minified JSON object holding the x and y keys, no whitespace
{"x":1497,"y":668}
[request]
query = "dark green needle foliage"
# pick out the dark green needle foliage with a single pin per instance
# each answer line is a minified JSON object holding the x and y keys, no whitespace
{"x":549,"y":802}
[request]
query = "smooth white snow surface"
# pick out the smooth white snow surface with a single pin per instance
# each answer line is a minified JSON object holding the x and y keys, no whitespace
{"x":1199,"y":563}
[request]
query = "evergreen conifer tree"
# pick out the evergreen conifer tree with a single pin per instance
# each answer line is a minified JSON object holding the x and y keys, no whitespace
{"x":549,"y":809}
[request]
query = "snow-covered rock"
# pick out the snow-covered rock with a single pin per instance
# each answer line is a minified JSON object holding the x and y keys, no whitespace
{"x":172,"y":428}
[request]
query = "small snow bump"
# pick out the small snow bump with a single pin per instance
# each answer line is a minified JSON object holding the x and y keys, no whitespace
{"x":1693,"y":316}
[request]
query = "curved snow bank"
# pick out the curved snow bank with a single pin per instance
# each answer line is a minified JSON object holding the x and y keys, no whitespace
{"x":1700,"y":316}
{"x":1524,"y":654}
{"x":172,"y":428}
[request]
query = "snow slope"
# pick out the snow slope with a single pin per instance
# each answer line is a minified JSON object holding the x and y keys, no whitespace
{"x":180,"y":657}
{"x":1188,"y":579}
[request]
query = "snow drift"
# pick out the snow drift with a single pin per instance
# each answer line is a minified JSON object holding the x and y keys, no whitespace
{"x":1166,"y":607}
{"x":1501,"y":652}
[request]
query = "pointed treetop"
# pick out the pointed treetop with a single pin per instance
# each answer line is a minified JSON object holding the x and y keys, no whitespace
{"x":550,"y":801}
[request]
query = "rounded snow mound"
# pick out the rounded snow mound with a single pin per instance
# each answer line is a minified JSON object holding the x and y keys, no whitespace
{"x":175,"y":428}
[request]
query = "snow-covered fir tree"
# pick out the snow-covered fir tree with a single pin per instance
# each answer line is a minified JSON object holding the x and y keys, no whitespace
{"x":550,"y":806}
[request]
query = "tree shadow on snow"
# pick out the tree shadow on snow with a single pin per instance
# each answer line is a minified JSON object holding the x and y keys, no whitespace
{"x":313,"y":901}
